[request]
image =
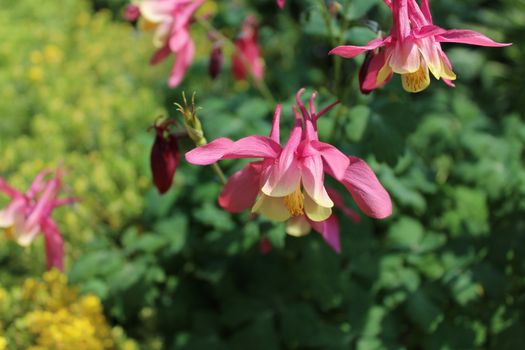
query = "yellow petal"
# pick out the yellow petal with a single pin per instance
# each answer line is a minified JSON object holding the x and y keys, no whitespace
{"x":271,"y":207}
{"x":417,"y":81}
{"x":314,"y":211}
{"x":298,"y":226}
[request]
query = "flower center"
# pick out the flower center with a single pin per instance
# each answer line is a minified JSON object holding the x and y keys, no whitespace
{"x":295,"y":202}
{"x":417,"y":81}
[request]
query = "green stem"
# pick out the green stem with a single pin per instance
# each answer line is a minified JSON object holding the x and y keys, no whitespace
{"x":218,"y":171}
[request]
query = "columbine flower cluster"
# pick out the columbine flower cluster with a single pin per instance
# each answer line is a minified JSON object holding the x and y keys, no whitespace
{"x":411,"y":50}
{"x":288,"y":183}
{"x":29,"y":214}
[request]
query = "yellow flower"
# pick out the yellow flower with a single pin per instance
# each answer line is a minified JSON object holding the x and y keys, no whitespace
{"x":3,"y":343}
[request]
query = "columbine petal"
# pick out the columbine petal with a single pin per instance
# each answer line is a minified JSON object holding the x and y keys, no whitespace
{"x":285,"y":174}
{"x":366,"y":189}
{"x":54,"y":245}
{"x":223,"y":148}
{"x":314,"y":211}
{"x":240,"y":192}
{"x":313,"y":181}
{"x":182,"y":64}
{"x":349,"y":51}
{"x":329,"y":229}
{"x":8,"y":190}
{"x":465,"y":36}
{"x":275,"y":133}
{"x":333,"y":159}
{"x":160,"y":55}
{"x":298,"y":226}
{"x":271,"y":207}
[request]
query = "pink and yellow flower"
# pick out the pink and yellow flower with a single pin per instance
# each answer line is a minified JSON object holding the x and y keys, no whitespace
{"x":171,"y":20}
{"x":29,"y":214}
{"x":288,"y":183}
{"x":412,"y":49}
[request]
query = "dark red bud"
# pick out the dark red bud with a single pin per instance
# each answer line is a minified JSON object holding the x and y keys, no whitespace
{"x":164,"y":158}
{"x":216,"y":61}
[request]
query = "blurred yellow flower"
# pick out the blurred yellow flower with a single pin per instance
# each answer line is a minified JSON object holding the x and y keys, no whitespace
{"x":3,"y":343}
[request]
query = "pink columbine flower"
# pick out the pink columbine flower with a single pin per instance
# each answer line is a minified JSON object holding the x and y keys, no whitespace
{"x":288,"y":183}
{"x":29,"y":214}
{"x":171,"y":21}
{"x":281,"y":3}
{"x":412,"y":49}
{"x":247,"y":58}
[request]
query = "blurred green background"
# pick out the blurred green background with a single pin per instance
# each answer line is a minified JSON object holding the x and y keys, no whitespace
{"x":446,"y":271}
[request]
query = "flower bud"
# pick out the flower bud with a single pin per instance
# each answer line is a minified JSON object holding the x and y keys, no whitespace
{"x":132,"y":13}
{"x":164,"y":158}
{"x":216,"y":61}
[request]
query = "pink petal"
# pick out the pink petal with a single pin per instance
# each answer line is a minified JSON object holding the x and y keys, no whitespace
{"x":335,"y":161}
{"x":465,"y":36}
{"x":428,"y":30}
{"x":352,"y":51}
{"x":8,"y":190}
{"x":275,"y":133}
{"x":209,"y":153}
{"x":425,"y":8}
{"x":401,"y":26}
{"x":370,"y":70}
{"x":366,"y":189}
{"x":44,"y":205}
{"x":285,"y":174}
{"x":281,"y":3}
{"x":54,"y":245}
{"x":179,"y":40}
{"x":313,"y":181}
{"x":38,"y":183}
{"x":182,"y":63}
{"x":240,"y":192}
{"x":418,"y":18}
{"x":223,"y":148}
{"x":160,"y":55}
{"x":329,"y":229}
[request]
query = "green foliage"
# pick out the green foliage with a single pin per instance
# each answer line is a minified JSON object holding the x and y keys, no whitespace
{"x":446,"y":271}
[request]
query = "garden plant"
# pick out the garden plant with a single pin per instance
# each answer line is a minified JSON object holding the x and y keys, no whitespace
{"x":234,"y":174}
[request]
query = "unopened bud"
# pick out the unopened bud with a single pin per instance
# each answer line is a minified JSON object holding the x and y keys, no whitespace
{"x":164,"y":157}
{"x":216,"y":61}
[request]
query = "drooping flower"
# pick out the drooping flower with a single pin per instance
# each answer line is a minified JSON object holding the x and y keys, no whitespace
{"x":164,"y":157}
{"x":171,"y":20}
{"x":412,"y":49}
{"x":29,"y":214}
{"x":247,"y":58}
{"x":281,"y":3}
{"x":288,"y":183}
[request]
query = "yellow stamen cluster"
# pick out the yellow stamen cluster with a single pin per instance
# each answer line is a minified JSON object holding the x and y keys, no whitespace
{"x":295,"y":202}
{"x":417,"y":81}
